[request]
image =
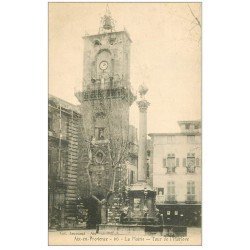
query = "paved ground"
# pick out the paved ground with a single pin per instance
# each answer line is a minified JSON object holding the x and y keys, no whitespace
{"x":90,"y":237}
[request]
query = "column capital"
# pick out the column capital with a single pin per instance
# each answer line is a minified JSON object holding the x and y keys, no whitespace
{"x":143,"y":105}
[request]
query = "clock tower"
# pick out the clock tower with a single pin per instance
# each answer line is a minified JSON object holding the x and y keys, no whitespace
{"x":105,"y":99}
{"x":106,"y":95}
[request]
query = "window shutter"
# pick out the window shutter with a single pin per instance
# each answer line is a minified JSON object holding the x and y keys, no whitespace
{"x":177,"y":162}
{"x":197,"y":162}
{"x":188,"y":187}
{"x":193,"y":189}
{"x":164,"y":162}
{"x":184,"y":162}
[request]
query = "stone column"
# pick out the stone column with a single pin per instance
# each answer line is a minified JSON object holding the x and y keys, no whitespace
{"x":142,"y":154}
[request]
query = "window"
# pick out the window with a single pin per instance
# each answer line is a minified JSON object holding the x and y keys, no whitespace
{"x":197,"y":162}
{"x":112,"y":39}
{"x":191,"y":163}
{"x":171,"y":188}
{"x":147,"y":170}
{"x":171,"y":191}
{"x":190,"y":187}
{"x":171,"y":163}
{"x":97,"y":42}
{"x":164,"y":162}
{"x":170,"y":139}
{"x":191,"y":139}
{"x":187,"y":126}
{"x":177,"y":162}
{"x":160,"y":191}
{"x":99,"y":133}
{"x":184,"y":162}
{"x":168,"y":212}
{"x":190,"y":191}
{"x":62,"y":165}
{"x":50,"y":122}
{"x":131,"y":177}
{"x":175,"y":212}
{"x":53,"y":162}
{"x":64,"y":127}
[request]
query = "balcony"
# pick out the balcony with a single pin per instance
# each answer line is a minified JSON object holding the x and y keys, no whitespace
{"x":171,"y":198}
{"x":191,"y":199}
{"x":191,"y":170}
{"x":109,"y":92}
{"x":171,"y":170}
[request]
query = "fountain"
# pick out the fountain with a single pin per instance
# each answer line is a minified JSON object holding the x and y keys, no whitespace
{"x":140,"y":215}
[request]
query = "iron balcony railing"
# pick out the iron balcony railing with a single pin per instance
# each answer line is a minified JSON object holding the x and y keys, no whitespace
{"x":191,"y":198}
{"x":191,"y":169}
{"x":171,"y":198}
{"x":171,"y":169}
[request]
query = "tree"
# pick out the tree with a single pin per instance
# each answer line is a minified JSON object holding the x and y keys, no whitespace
{"x":196,"y":20}
{"x":115,"y":145}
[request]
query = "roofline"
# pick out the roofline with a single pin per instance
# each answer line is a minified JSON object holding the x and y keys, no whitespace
{"x":73,"y":107}
{"x":191,"y":121}
{"x":121,"y":31}
{"x":53,"y":96}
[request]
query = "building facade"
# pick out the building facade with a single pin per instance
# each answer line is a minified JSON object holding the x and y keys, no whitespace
{"x":175,"y":167}
{"x":105,"y":99}
{"x":63,"y":129}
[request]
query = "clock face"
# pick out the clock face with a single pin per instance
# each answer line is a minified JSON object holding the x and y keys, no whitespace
{"x":103,"y":65}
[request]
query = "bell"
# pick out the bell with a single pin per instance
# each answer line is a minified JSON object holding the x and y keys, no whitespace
{"x":107,"y":23}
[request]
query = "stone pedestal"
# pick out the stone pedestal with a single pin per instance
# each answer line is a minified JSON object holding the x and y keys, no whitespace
{"x":141,"y":195}
{"x":141,"y":202}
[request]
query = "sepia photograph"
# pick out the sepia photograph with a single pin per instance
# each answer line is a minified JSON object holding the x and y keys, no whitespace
{"x":124,"y":123}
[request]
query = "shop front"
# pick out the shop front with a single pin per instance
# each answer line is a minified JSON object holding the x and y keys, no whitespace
{"x":181,"y":214}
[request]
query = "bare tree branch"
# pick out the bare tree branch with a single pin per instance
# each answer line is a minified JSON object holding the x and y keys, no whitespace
{"x":116,"y":147}
{"x":95,"y":198}
{"x":195,"y":17}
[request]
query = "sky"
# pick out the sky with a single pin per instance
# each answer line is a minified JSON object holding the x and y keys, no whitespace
{"x":165,"y":55}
